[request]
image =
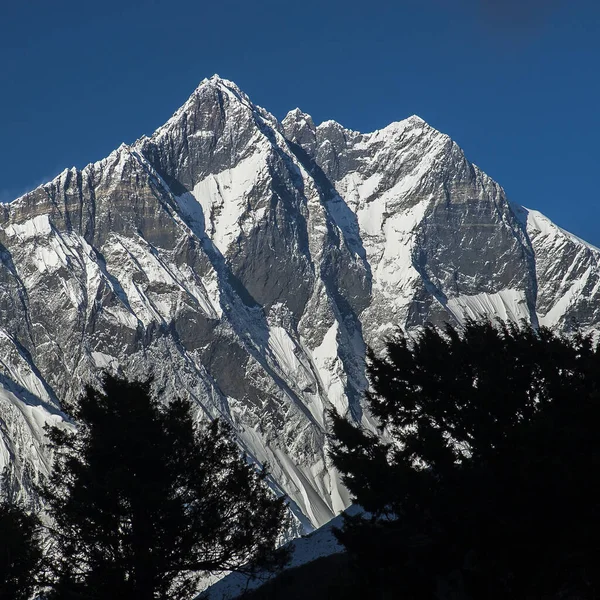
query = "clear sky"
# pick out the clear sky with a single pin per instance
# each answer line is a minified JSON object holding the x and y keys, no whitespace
{"x":515,"y":82}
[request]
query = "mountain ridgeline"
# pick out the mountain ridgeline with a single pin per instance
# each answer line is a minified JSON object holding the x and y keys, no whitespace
{"x":247,"y":263}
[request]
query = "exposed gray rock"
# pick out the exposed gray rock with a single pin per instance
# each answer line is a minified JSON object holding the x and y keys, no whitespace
{"x":246,"y":264}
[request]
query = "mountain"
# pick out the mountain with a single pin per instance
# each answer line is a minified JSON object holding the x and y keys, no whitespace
{"x":246,"y":263}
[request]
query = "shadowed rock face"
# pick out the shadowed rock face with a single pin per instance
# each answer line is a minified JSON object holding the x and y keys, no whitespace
{"x":246,"y":264}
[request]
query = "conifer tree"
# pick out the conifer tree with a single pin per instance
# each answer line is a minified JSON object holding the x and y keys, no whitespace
{"x":20,"y":552}
{"x":482,"y":485}
{"x":143,"y":501}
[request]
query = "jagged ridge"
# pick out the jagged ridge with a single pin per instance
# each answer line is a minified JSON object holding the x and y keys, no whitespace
{"x":246,"y":263}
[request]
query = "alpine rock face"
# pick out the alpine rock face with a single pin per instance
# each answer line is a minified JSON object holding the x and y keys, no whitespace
{"x":246,"y":263}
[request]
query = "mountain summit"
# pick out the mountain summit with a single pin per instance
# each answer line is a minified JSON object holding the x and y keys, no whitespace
{"x":247,"y":263}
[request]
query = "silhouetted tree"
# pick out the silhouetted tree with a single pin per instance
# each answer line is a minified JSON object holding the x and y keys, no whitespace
{"x":481,"y":486}
{"x":20,"y":552}
{"x":143,"y":502}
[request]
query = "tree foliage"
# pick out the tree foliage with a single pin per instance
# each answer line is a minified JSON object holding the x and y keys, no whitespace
{"x":143,"y":502}
{"x":20,"y":552}
{"x":482,"y":484}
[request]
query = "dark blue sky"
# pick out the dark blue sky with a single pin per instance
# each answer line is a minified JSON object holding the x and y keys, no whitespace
{"x":515,"y":82}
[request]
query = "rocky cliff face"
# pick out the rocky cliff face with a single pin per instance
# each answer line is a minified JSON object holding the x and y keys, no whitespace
{"x":246,"y":263}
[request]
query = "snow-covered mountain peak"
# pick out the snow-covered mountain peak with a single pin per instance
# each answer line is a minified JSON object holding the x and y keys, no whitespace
{"x":213,"y":103}
{"x":226,"y":86}
{"x":296,"y":114}
{"x":330,"y":125}
{"x":247,"y":263}
{"x":298,"y":119}
{"x":402,"y":131}
{"x":216,"y":79}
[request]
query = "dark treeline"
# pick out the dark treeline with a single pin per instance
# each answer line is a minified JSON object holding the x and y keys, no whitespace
{"x":479,"y":485}
{"x":20,"y":552}
{"x":482,"y":486}
{"x":140,"y":504}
